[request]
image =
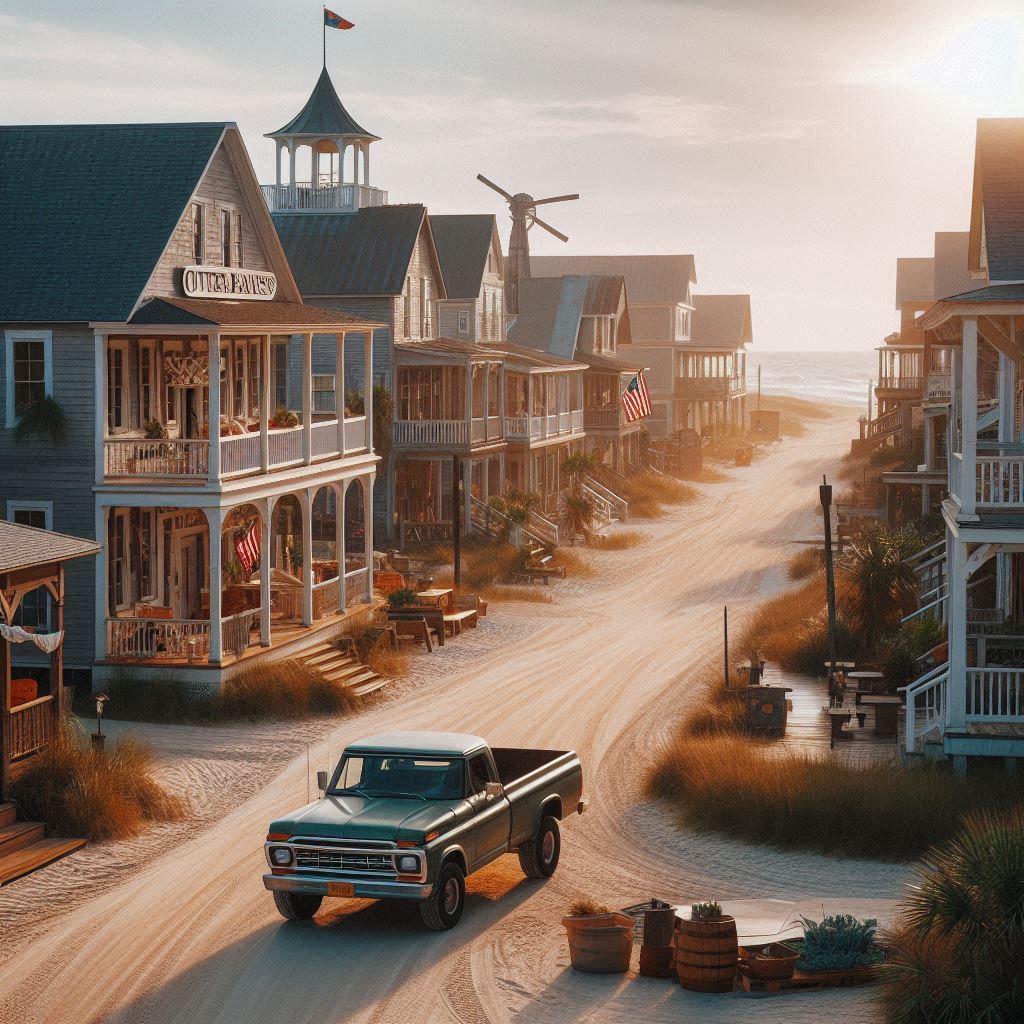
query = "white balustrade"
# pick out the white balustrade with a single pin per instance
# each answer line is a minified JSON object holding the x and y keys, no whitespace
{"x":926,"y":705}
{"x":240,"y":632}
{"x":325,"y":598}
{"x":995,"y":695}
{"x":141,"y":639}
{"x":517,"y":427}
{"x":478,"y":429}
{"x":355,"y":433}
{"x":440,"y":432}
{"x":577,"y":419}
{"x":285,"y":446}
{"x":1000,"y":481}
{"x":324,"y":438}
{"x":133,"y":457}
{"x":493,"y":427}
{"x":355,"y":586}
{"x":239,"y":453}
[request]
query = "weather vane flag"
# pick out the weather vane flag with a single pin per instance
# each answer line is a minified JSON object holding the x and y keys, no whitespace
{"x":332,"y":20}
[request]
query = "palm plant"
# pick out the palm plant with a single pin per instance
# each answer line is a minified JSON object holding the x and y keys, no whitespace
{"x":879,"y":588}
{"x":579,"y":515}
{"x":956,"y":954}
{"x":575,"y":467}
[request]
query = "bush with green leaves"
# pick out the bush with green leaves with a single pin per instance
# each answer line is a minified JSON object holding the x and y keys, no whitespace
{"x":707,"y":910}
{"x":401,"y":597}
{"x":838,"y":943}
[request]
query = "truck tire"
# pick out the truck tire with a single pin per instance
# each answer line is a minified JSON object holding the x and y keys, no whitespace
{"x":539,"y":857}
{"x":443,"y":908}
{"x":297,"y":906}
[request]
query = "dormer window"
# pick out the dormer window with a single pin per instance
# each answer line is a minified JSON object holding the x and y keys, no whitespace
{"x":198,"y":233}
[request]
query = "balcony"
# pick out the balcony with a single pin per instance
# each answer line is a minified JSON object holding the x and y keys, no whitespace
{"x":709,"y":387}
{"x":905,"y":384}
{"x":603,"y":418}
{"x":302,"y":197}
{"x":539,"y":428}
{"x":464,"y":433}
{"x":187,"y":460}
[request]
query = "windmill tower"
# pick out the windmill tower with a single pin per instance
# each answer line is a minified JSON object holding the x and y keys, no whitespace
{"x":523,"y":210}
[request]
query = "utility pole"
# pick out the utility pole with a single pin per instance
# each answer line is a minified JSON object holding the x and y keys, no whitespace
{"x":725,"y":625}
{"x":825,"y":494}
{"x":758,"y":387}
{"x":457,"y":519}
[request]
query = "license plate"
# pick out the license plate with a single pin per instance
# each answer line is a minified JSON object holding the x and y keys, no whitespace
{"x":341,"y":889}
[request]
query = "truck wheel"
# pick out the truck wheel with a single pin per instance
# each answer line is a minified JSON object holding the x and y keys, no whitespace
{"x":297,"y":906}
{"x":539,"y":857}
{"x":443,"y":908}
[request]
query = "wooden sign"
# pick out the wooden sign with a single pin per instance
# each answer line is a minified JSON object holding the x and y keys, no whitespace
{"x":228,"y":283}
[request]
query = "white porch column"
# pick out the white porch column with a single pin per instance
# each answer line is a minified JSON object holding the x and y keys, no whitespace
{"x":339,"y":539}
{"x":355,"y":166}
{"x":215,"y":520}
{"x":213,"y":420}
{"x":100,"y":582}
{"x":307,"y":398}
{"x":291,"y":164}
{"x":1007,"y":386}
{"x":277,"y":162}
{"x":265,"y":393}
{"x":366,"y":165}
{"x":100,"y":419}
{"x":306,"y":506}
{"x":969,"y":416}
{"x":368,"y":532}
{"x":368,"y":387}
{"x":266,"y":550}
{"x":339,"y":387}
{"x":956,"y":704}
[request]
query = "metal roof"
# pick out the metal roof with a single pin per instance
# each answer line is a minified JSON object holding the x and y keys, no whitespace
{"x":24,"y":546}
{"x":649,"y":279}
{"x":997,"y":204}
{"x":722,"y":321}
{"x":550,"y":310}
{"x":242,"y":313}
{"x":463,"y":242}
{"x":604,"y":295}
{"x":610,"y":364}
{"x":86,"y":212}
{"x":323,"y":115}
{"x":440,"y":744}
{"x":364,"y":253}
{"x":447,"y":347}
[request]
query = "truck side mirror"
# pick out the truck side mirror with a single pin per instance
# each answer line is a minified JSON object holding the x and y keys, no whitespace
{"x":494,"y":789}
{"x":321,"y":781}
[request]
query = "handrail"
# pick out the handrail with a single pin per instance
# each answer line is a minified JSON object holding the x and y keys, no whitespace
{"x":616,"y":500}
{"x":912,"y":560}
{"x":46,"y":698}
{"x":932,"y":688}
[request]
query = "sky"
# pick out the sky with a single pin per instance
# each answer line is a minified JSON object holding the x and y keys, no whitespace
{"x":795,"y":147}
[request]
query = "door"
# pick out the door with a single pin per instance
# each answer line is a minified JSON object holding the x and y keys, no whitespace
{"x":492,"y":820}
{"x":189,"y":572}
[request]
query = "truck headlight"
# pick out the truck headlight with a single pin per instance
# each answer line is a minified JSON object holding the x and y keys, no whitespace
{"x":280,"y":856}
{"x":409,"y":865}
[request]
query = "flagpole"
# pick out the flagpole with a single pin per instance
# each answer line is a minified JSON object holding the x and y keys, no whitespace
{"x":323,"y":30}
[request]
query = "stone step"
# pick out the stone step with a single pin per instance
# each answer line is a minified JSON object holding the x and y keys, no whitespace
{"x":20,"y":834}
{"x":37,"y":855}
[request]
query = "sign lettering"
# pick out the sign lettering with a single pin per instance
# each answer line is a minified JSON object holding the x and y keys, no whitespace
{"x":228,"y":283}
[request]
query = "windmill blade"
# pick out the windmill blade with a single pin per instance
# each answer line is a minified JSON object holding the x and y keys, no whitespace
{"x":556,"y":199}
{"x":490,"y":184}
{"x":547,"y":227}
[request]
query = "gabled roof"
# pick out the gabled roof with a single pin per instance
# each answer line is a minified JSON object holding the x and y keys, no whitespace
{"x":463,"y":242}
{"x":448,"y":347}
{"x":951,"y":273}
{"x":997,"y":202}
{"x":550,"y":309}
{"x":172,"y":310}
{"x":87,"y":211}
{"x":610,"y":364}
{"x":24,"y":546}
{"x":364,"y":253}
{"x":721,"y":321}
{"x":604,"y":295}
{"x":649,"y":279}
{"x":323,"y":115}
{"x":915,"y":280}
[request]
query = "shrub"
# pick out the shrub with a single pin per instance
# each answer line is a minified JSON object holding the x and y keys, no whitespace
{"x":574,"y":563}
{"x":587,"y":907}
{"x":154,"y":430}
{"x":955,"y":952}
{"x":618,"y":540}
{"x":838,"y":943}
{"x":579,"y":515}
{"x":805,"y":563}
{"x":109,"y":795}
{"x":648,"y":493}
{"x":901,"y":651}
{"x":44,"y":418}
{"x":401,"y":597}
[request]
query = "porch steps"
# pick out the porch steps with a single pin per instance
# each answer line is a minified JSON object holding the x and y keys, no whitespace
{"x":342,"y":669}
{"x":24,"y":847}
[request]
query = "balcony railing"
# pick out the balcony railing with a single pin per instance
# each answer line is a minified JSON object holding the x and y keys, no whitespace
{"x":428,"y":432}
{"x":686,"y":386}
{"x":302,"y":197}
{"x":995,"y":695}
{"x":900,"y":383}
{"x":355,"y":434}
{"x":141,"y":457}
{"x":607,"y":417}
{"x":1000,"y":481}
{"x":533,"y":428}
{"x":140,"y":639}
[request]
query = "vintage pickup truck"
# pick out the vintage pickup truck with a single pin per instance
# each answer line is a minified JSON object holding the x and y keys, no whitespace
{"x":408,"y":815}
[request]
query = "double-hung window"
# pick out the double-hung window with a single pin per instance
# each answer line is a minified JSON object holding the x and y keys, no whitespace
{"x":231,"y":237}
{"x":117,"y":385}
{"x":29,"y":371}
{"x":34,"y":610}
{"x":147,"y":375}
{"x":198,"y":233}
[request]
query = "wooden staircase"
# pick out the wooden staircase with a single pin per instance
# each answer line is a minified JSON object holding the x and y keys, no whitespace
{"x":24,"y":846}
{"x":341,"y":668}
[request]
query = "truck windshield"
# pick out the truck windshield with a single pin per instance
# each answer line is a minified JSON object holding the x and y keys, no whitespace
{"x":401,"y":775}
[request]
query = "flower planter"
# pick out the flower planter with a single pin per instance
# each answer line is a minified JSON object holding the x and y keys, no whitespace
{"x":707,"y":954}
{"x":776,"y":962}
{"x":600,"y":943}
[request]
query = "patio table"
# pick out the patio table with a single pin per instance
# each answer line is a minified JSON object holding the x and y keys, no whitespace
{"x":887,"y":706}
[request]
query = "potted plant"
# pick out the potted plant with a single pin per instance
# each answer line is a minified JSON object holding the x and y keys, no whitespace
{"x":600,"y":939}
{"x":838,"y":943}
{"x":284,"y":418}
{"x":707,"y":950}
{"x":44,"y":418}
{"x":401,"y":597}
{"x":774,"y":962}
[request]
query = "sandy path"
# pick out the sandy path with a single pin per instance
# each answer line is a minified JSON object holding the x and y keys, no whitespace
{"x":194,"y":937}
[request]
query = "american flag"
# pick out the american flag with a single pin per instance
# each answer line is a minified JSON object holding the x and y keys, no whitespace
{"x":635,"y":399}
{"x":247,"y":546}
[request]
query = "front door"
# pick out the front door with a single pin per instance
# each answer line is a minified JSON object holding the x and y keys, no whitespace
{"x":190,"y":561}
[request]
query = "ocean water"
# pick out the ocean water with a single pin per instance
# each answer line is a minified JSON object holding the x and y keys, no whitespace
{"x":818,"y":376}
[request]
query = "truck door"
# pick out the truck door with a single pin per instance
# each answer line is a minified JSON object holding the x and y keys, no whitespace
{"x":491,"y":819}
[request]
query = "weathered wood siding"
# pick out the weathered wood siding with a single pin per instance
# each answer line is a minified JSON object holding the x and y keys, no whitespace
{"x":219,"y":188}
{"x":652,"y":323}
{"x":40,"y":470}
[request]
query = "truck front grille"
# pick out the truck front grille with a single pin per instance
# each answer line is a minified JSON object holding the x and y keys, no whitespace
{"x":341,"y":860}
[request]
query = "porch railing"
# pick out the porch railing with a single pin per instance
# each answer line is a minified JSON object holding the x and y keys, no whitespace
{"x":239,"y":454}
{"x":926,"y":705}
{"x":597,"y":417}
{"x":29,"y":727}
{"x":325,"y":598}
{"x":995,"y":695}
{"x":286,"y":446}
{"x":355,"y":586}
{"x":138,"y":639}
{"x":239,"y":632}
{"x":1000,"y":481}
{"x":517,"y":427}
{"x":286,"y":604}
{"x":355,"y":433}
{"x":439,"y":432}
{"x":159,"y":457}
{"x":900,"y":383}
{"x":324,"y":438}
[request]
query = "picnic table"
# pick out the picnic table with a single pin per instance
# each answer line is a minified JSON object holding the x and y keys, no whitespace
{"x":887,"y":706}
{"x":441,"y":596}
{"x":867,"y":682}
{"x":837,"y":718}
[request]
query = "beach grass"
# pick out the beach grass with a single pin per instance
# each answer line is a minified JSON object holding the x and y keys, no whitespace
{"x":618,"y":540}
{"x":804,"y":563}
{"x":648,"y":494}
{"x":573,"y":561}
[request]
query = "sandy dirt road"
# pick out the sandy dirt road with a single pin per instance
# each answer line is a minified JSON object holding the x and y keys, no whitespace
{"x":194,"y":937}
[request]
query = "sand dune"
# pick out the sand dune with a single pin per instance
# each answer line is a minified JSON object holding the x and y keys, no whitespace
{"x":189,"y":934}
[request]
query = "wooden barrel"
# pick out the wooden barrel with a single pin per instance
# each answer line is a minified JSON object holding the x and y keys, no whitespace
{"x":659,"y":924}
{"x":600,"y":944}
{"x":656,"y":961}
{"x":707,"y":954}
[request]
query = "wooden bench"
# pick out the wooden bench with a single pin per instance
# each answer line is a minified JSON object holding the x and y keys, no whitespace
{"x":431,"y":614}
{"x":478,"y":604}
{"x":532,"y":573}
{"x":455,"y":620}
{"x":414,"y":629}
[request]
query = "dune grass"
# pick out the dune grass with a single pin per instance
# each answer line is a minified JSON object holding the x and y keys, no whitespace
{"x":731,"y":785}
{"x":709,"y":475}
{"x":112,"y":795}
{"x":804,"y":563}
{"x":573,"y":561}
{"x":387,"y":661}
{"x":618,"y":540}
{"x":276,"y":691}
{"x":525,"y":593}
{"x":648,"y":494}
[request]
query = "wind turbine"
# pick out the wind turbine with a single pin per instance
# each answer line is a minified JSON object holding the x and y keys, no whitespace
{"x":523,"y":210}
